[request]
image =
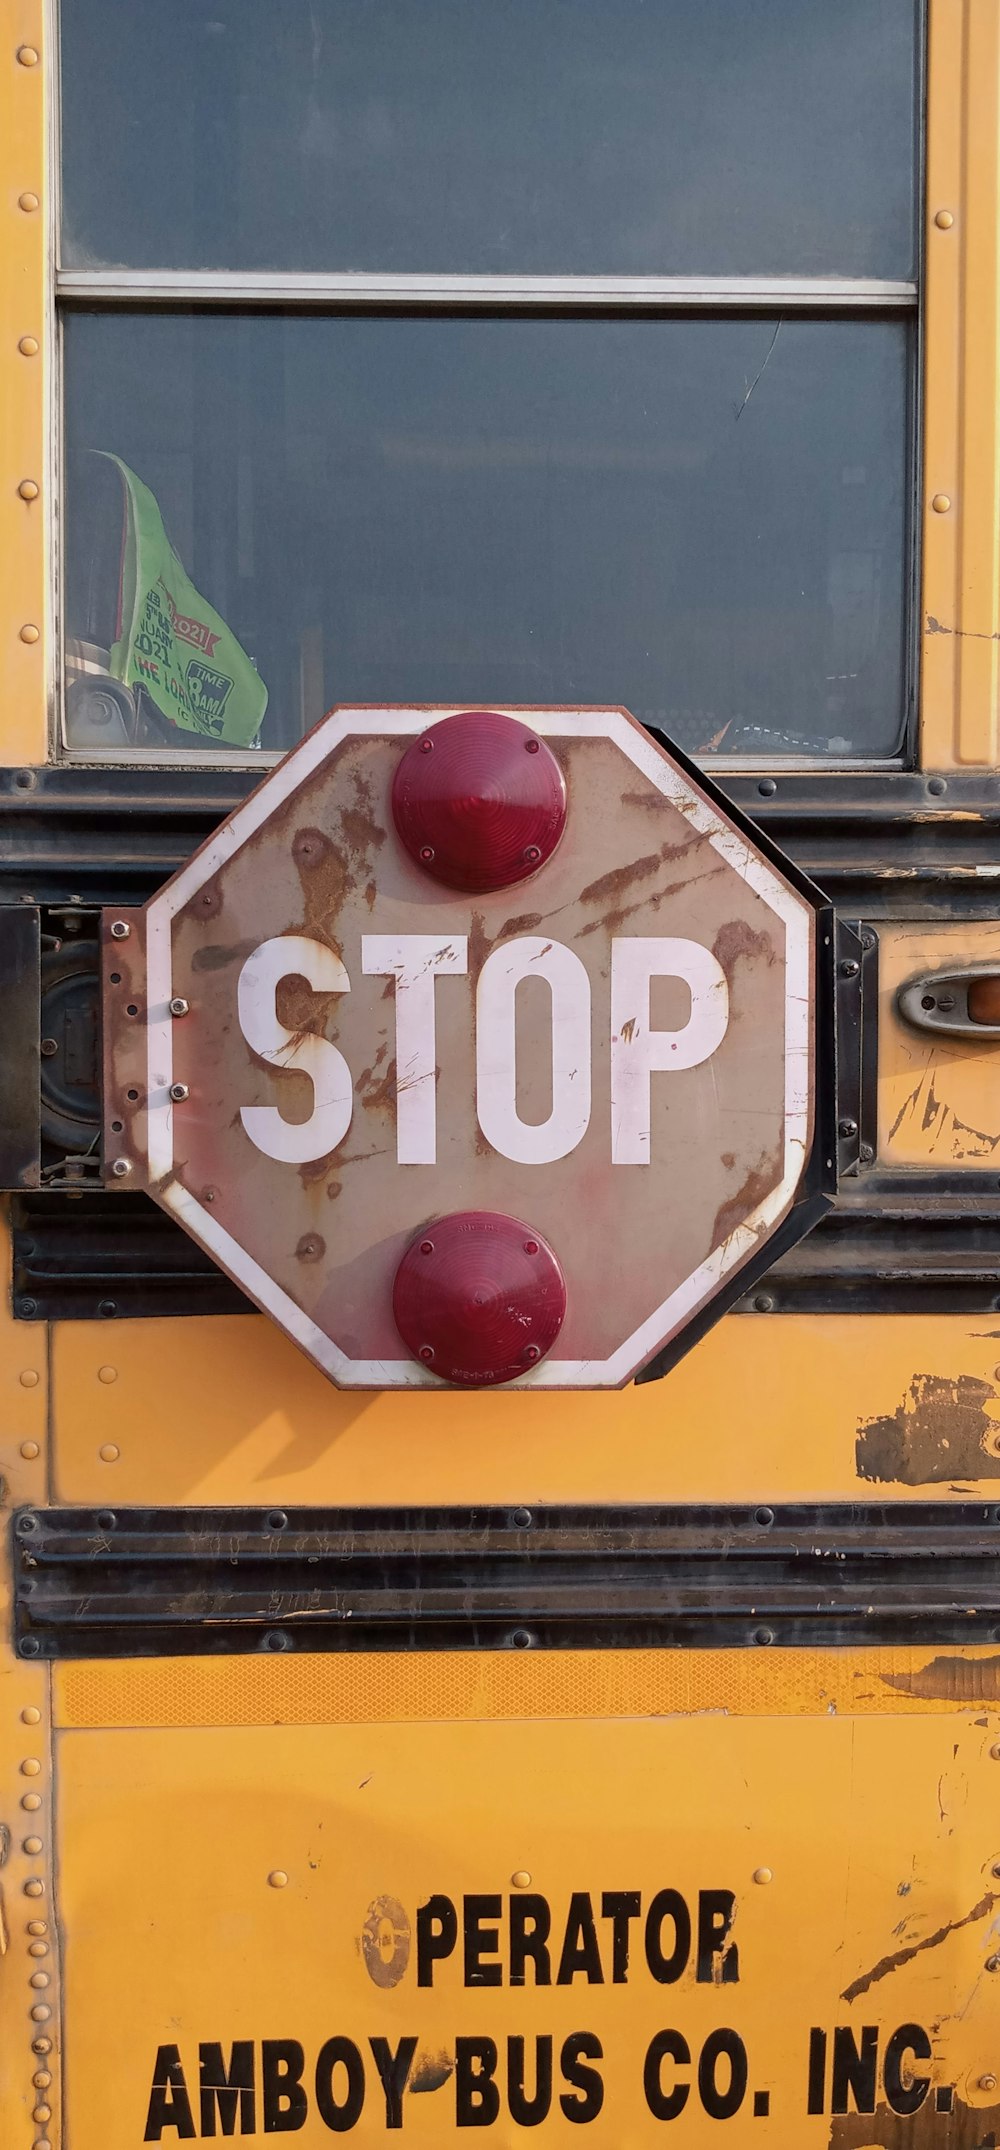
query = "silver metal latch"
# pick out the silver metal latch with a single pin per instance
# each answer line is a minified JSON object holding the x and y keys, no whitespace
{"x":958,"y":1003}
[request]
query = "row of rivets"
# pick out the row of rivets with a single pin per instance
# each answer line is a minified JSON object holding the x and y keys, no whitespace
{"x":27,"y":56}
{"x":37,"y":1930}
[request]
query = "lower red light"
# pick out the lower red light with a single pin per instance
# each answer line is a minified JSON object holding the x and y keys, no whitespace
{"x":479,"y":801}
{"x":479,"y":1298}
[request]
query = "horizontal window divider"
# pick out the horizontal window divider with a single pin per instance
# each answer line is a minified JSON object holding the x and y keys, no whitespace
{"x":224,"y":287}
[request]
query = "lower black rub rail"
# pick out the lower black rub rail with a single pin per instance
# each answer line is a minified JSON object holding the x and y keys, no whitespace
{"x":142,"y":1582}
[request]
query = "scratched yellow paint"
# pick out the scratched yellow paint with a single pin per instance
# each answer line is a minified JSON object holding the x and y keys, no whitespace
{"x":267,"y":1886}
{"x":939,"y":1098}
{"x":787,"y":1407}
{"x":25,"y":340}
{"x":960,"y":671}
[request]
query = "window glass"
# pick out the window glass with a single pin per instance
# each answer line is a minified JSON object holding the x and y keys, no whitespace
{"x":702,"y":520}
{"x":691,"y":137}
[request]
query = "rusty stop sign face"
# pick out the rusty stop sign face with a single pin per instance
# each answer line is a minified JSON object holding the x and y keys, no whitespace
{"x":476,"y":1046}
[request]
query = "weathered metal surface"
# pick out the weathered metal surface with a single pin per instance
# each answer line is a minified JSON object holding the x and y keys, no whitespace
{"x":653,"y":1188}
{"x":20,"y":985}
{"x":125,"y":1583}
{"x":795,"y":1933}
{"x":939,"y":1097}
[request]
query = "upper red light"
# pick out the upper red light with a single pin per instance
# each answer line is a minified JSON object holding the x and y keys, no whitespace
{"x":479,"y":1298}
{"x":479,"y":801}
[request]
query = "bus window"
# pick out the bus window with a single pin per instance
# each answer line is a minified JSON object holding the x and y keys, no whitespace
{"x":512,"y":354}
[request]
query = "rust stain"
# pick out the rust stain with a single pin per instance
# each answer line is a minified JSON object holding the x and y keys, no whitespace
{"x":325,"y":879}
{"x":628,"y":1030}
{"x":217,"y":954}
{"x":525,"y":924}
{"x":377,"y":1092}
{"x":728,"y":1159}
{"x":939,"y":1433}
{"x":333,"y":1188}
{"x":962,"y":1680}
{"x":738,"y":1207}
{"x":430,"y":2071}
{"x":887,"y":1964}
{"x":620,"y":879}
{"x":479,"y":943}
{"x":610,"y":921}
{"x":966,"y":2127}
{"x":362,"y":833}
{"x":371,"y":891}
{"x":736,"y":939}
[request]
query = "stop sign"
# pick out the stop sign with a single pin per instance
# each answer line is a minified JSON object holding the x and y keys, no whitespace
{"x":475,"y":1046}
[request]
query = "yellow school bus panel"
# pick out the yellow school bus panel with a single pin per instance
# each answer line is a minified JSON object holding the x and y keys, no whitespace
{"x":939,"y":1097}
{"x":784,"y":1917}
{"x":783,"y":1408}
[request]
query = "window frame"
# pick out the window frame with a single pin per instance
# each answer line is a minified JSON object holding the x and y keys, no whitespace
{"x":569,"y":296}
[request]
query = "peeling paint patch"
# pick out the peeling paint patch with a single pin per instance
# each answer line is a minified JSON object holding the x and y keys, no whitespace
{"x":430,"y":2071}
{"x":940,"y":1432}
{"x":899,"y":1956}
{"x":962,"y":1680}
{"x":966,"y":2127}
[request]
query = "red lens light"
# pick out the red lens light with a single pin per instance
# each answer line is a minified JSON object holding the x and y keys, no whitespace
{"x":479,"y":1298}
{"x":479,"y":801}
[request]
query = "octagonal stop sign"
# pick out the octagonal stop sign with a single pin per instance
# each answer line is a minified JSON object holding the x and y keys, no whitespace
{"x":476,"y":1046}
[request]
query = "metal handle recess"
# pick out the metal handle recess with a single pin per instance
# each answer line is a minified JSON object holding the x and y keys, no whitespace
{"x":958,"y":1003}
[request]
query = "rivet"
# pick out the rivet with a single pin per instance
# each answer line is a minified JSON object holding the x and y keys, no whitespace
{"x":29,"y":1379}
{"x":32,"y":1845}
{"x":29,"y":1450}
{"x":427,"y":1246}
{"x":28,"y":346}
{"x":762,"y":1875}
{"x":41,"y":2045}
{"x":278,"y":1879}
{"x":941,"y":503}
{"x":40,"y":2013}
{"x":763,"y":1303}
{"x":995,"y":1754}
{"x":29,"y":632}
{"x":42,"y":2079}
{"x":987,"y":2082}
{"x":993,"y":1963}
{"x":944,"y":219}
{"x":27,"y":56}
{"x":521,"y":1880}
{"x":27,"y":489}
{"x":41,"y":2142}
{"x":37,"y":1926}
{"x":38,"y":1948}
{"x":41,"y":2114}
{"x":34,"y":1887}
{"x":27,"y":202}
{"x":121,"y":1168}
{"x":31,"y":1715}
{"x":109,"y":1453}
{"x":107,"y":1374}
{"x":39,"y":1980}
{"x":31,"y":1802}
{"x":180,"y":1006}
{"x":179,"y":1091}
{"x":31,"y":1768}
